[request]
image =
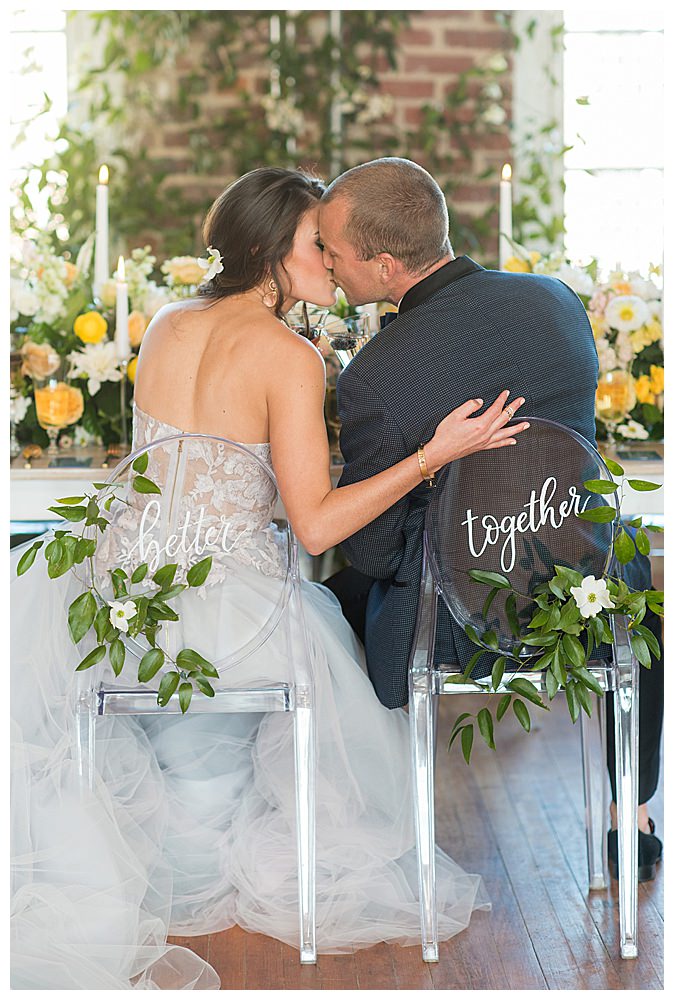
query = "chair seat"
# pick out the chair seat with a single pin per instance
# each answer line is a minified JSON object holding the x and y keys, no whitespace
{"x":601,"y":669}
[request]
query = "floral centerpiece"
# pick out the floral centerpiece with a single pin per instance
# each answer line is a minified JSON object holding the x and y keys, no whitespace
{"x":55,"y":317}
{"x":625,"y":312}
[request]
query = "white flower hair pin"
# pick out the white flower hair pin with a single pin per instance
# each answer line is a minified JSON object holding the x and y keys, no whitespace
{"x":212,"y":265}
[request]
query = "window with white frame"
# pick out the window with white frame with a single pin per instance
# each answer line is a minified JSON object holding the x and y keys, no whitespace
{"x":38,"y":86}
{"x":613,"y":120}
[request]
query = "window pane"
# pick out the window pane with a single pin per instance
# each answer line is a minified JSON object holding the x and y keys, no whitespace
{"x":37,"y":67}
{"x":622,"y":77}
{"x":615,"y":216}
{"x":614,"y":20}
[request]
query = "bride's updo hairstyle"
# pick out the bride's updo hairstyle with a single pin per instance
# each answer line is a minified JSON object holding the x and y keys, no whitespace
{"x":253,"y":224}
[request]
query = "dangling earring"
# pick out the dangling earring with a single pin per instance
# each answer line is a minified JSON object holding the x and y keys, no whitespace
{"x":273,"y":292}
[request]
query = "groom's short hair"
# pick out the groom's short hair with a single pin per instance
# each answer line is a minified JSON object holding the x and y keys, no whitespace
{"x":395,"y":206}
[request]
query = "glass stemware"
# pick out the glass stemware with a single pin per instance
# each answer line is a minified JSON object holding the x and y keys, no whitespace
{"x":57,"y":403}
{"x":348,"y":335}
{"x":614,"y":399}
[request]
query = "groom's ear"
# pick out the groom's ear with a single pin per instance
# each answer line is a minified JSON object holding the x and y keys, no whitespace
{"x":388,"y":266}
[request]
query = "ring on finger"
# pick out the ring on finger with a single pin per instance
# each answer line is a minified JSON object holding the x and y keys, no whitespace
{"x":509,"y":410}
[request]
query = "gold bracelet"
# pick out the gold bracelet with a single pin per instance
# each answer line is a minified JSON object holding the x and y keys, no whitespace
{"x":429,"y":477}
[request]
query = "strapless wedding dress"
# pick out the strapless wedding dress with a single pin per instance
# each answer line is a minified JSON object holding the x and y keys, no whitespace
{"x":190,"y":827}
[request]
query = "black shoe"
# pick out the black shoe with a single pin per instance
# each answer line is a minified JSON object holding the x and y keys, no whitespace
{"x":650,"y":852}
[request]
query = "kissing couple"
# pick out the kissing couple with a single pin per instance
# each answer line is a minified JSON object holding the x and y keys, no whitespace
{"x":190,"y":828}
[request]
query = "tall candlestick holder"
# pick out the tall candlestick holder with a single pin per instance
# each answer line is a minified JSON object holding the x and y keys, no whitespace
{"x":123,"y":365}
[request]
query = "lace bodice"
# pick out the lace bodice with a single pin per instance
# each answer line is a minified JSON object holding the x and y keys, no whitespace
{"x":216,"y":500}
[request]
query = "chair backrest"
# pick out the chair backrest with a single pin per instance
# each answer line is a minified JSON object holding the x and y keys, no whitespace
{"x":179,"y":500}
{"x":512,"y":511}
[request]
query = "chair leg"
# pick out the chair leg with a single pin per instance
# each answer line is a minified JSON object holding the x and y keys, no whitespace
{"x":626,"y":712}
{"x":305,"y":783}
{"x":593,"y":743}
{"x":422,"y":746}
{"x":85,"y":739}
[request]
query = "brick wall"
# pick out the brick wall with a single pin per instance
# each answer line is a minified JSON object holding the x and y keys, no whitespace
{"x":435,"y":48}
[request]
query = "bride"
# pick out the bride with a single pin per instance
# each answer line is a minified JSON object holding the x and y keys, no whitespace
{"x":189,"y":828}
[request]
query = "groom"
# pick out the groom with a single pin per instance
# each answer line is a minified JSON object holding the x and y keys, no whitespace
{"x":460,"y":331}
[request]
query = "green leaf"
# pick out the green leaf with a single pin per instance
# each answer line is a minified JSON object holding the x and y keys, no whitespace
{"x":204,"y":685}
{"x":556,"y":586}
{"x":648,"y":638}
{"x":159,"y":612}
{"x":613,"y":467}
{"x":497,"y":671}
{"x":569,"y":616}
{"x":555,"y":617}
{"x":583,"y":697}
{"x":643,"y":486}
{"x":472,"y":635}
{"x":573,"y":648}
{"x":539,"y":619}
{"x":142,"y":604}
{"x":28,"y":558}
{"x":196,"y":575}
{"x":598,"y":515}
{"x":70,"y":513}
{"x":523,"y":687}
{"x":102,"y":623}
{"x":504,"y":701}
{"x":70,"y":500}
{"x":117,"y":654}
{"x":589,"y":680}
{"x":522,"y":714}
{"x":551,"y":684}
{"x":635,"y":522}
{"x":572,"y":701}
{"x":490,"y":639}
{"x":511,"y":613}
{"x":488,"y":602}
{"x":142,"y":484}
{"x":139,"y":573}
{"x":641,"y":650}
{"x":95,"y":656}
{"x":470,"y":666}
{"x":570,"y":576}
{"x":140,"y":464}
{"x":151,"y":662}
{"x":497,"y":580}
{"x":189,"y":659}
{"x":600,"y":486}
{"x":84,"y":549}
{"x":81,"y":614}
{"x":119,"y":587}
{"x":486,"y":727}
{"x":185,"y":696}
{"x":642,"y":542}
{"x":164,"y":576}
{"x":167,"y":688}
{"x":624,"y":547}
{"x":467,"y":742}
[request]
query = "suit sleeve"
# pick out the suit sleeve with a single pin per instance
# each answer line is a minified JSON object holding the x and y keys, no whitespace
{"x":371,"y":442}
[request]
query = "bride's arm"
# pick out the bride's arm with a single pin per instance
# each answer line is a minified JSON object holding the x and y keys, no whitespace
{"x":323,"y":516}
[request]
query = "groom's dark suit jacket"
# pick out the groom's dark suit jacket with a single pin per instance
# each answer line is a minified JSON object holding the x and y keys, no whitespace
{"x":462,"y":332}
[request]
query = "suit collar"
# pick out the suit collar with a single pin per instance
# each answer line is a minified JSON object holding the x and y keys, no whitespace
{"x":452,"y":271}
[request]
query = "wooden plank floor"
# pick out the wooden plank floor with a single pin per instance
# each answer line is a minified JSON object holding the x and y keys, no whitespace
{"x":515,"y":816}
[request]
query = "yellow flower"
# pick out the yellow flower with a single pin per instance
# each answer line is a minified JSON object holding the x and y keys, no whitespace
{"x":131,"y":369}
{"x":39,"y":360}
{"x":183,"y":271}
{"x":622,"y":287}
{"x":598,"y":324}
{"x":516,"y":264}
{"x":534,"y":257}
{"x":646,"y":335}
{"x":72,"y":272}
{"x":91,"y":327}
{"x":644,"y":390}
{"x":137,"y":327}
{"x":657,"y":379}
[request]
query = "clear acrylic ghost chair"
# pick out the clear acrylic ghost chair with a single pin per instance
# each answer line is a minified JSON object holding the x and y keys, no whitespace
{"x":464,"y":530}
{"x":217,"y":498}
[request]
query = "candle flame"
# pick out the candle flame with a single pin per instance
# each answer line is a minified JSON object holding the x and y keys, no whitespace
{"x":507,"y":172}
{"x":120,"y":270}
{"x":103,"y":175}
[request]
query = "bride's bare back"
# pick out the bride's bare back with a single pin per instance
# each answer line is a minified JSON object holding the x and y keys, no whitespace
{"x":209,"y":367}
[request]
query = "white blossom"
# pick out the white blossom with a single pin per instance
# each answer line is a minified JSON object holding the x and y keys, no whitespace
{"x":494,"y":115}
{"x":627,"y":312}
{"x":18,"y":406}
{"x":592,"y":597}
{"x":22,"y":298}
{"x":576,"y":278}
{"x":212,"y":265}
{"x":608,"y":360}
{"x":97,"y":363}
{"x":633,"y":429}
{"x":121,"y":614}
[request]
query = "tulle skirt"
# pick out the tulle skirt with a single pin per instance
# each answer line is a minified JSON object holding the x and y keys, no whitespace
{"x":190,"y":828}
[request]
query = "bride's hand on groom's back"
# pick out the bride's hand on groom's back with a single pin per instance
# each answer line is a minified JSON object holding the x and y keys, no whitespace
{"x":461,"y":433}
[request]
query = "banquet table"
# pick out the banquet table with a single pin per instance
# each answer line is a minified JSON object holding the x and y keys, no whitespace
{"x":35,"y":484}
